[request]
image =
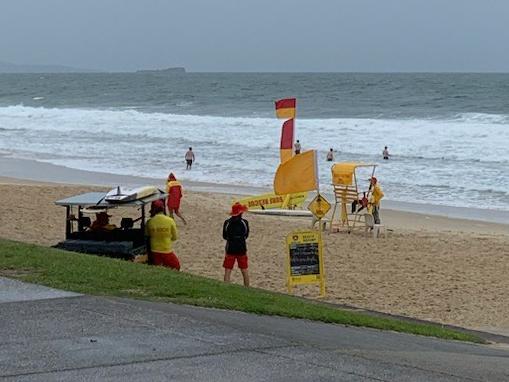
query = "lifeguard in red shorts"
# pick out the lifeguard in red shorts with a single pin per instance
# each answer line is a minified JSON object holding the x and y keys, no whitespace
{"x":174,"y":191}
{"x":162,"y":232}
{"x":235,"y":232}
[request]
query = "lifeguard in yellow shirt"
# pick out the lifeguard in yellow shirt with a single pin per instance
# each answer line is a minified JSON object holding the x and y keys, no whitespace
{"x":376,"y":196}
{"x":162,"y":232}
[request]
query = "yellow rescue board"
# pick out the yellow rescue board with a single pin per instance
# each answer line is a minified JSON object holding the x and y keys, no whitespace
{"x":271,"y":200}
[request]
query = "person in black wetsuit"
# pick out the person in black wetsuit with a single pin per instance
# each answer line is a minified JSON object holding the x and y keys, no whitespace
{"x":235,"y":232}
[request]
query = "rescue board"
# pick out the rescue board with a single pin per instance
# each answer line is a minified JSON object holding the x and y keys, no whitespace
{"x":281,"y":212}
{"x":123,"y":195}
{"x":273,"y":201}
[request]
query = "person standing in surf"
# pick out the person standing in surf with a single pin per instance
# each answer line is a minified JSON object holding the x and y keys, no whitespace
{"x":189,"y":158}
{"x":297,"y":147}
{"x":174,"y":191}
{"x":330,"y":155}
{"x":235,"y":232}
{"x":385,"y":153}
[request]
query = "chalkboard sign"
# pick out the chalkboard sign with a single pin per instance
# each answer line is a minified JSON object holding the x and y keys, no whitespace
{"x":305,"y":261}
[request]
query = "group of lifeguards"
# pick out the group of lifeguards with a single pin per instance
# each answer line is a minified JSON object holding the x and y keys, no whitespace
{"x":162,"y":233}
{"x":161,"y":228}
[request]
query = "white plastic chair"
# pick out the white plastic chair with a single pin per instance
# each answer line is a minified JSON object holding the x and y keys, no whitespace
{"x":377,"y":229}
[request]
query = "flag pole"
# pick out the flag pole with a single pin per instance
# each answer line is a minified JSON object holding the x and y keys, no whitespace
{"x":294,"y":128}
{"x":317,"y":174}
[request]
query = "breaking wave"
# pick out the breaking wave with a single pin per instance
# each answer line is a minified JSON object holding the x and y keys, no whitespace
{"x":460,"y":160}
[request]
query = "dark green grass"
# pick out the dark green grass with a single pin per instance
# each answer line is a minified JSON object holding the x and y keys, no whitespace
{"x":104,"y":276}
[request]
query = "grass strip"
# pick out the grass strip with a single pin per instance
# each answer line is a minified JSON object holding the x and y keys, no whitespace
{"x":104,"y":276}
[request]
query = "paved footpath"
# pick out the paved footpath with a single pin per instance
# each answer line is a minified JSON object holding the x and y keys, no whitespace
{"x":49,"y":335}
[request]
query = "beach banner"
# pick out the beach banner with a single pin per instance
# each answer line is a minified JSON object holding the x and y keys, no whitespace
{"x":285,"y":108}
{"x":286,"y":146}
{"x":298,"y":174}
{"x":271,"y":200}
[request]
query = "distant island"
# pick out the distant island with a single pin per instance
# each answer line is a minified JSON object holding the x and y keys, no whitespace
{"x":7,"y":67}
{"x":167,"y":70}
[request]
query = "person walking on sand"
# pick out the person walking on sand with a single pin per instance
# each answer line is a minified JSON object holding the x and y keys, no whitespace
{"x":376,"y":196}
{"x":297,"y":147}
{"x":385,"y":153}
{"x":330,"y":155}
{"x":189,"y":158}
{"x":174,"y":191}
{"x":161,"y":231}
{"x":235,"y":232}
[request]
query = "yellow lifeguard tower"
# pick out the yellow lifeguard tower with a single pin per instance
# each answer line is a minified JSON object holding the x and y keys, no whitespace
{"x":345,"y":182}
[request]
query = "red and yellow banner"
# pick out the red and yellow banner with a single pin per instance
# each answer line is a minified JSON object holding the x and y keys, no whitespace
{"x":286,"y":146}
{"x":270,"y":200}
{"x":285,"y":108}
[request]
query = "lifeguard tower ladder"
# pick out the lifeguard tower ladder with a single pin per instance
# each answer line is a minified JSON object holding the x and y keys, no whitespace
{"x":346,"y":192}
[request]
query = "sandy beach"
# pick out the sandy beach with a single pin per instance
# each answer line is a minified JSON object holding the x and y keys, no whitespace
{"x":434,"y":268}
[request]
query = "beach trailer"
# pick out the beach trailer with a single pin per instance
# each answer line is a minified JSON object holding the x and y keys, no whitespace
{"x":125,"y":242}
{"x":349,"y":212}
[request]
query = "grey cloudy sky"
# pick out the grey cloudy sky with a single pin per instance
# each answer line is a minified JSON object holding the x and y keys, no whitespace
{"x":262,"y":35}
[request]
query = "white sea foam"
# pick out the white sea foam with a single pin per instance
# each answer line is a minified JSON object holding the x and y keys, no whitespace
{"x":457,"y":161}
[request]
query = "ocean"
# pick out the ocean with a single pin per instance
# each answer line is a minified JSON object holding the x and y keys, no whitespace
{"x":448,"y":133}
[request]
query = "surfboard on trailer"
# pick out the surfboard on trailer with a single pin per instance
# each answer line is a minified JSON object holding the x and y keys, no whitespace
{"x":281,"y":212}
{"x":123,"y":195}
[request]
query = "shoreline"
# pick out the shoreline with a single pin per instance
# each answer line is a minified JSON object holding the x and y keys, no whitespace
{"x":42,"y":172}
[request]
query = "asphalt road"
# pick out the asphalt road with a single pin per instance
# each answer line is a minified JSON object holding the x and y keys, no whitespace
{"x":54,"y":336}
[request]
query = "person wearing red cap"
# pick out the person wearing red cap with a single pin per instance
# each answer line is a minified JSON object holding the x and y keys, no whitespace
{"x":376,"y":196}
{"x":174,"y":191}
{"x":235,"y":232}
{"x":162,"y":232}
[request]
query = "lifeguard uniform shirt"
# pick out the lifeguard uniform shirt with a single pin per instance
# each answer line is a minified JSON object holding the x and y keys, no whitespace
{"x":162,"y":231}
{"x":377,"y":195}
{"x":174,"y":191}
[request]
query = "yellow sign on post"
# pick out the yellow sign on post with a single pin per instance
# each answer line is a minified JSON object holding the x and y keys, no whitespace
{"x":305,"y":259}
{"x":319,"y":206}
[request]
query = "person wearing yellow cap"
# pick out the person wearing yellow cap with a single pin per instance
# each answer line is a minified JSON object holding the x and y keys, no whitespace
{"x":376,"y":196}
{"x":162,"y":232}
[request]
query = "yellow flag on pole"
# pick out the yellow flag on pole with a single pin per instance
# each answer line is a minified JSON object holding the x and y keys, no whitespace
{"x":297,"y":174}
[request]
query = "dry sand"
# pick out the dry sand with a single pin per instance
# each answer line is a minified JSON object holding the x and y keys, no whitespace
{"x":446,"y":270}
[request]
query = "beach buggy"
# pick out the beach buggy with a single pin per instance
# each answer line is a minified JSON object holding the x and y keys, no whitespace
{"x":101,"y":238}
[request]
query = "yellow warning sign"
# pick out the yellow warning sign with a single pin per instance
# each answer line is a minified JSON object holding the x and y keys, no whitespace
{"x":305,"y":259}
{"x":319,"y":206}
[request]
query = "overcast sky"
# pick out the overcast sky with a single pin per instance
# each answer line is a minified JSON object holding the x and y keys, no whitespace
{"x":261,"y":35}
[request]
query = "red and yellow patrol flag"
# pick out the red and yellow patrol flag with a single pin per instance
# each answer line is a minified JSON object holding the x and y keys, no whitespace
{"x":297,"y":174}
{"x":285,"y":108}
{"x":286,"y":146}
